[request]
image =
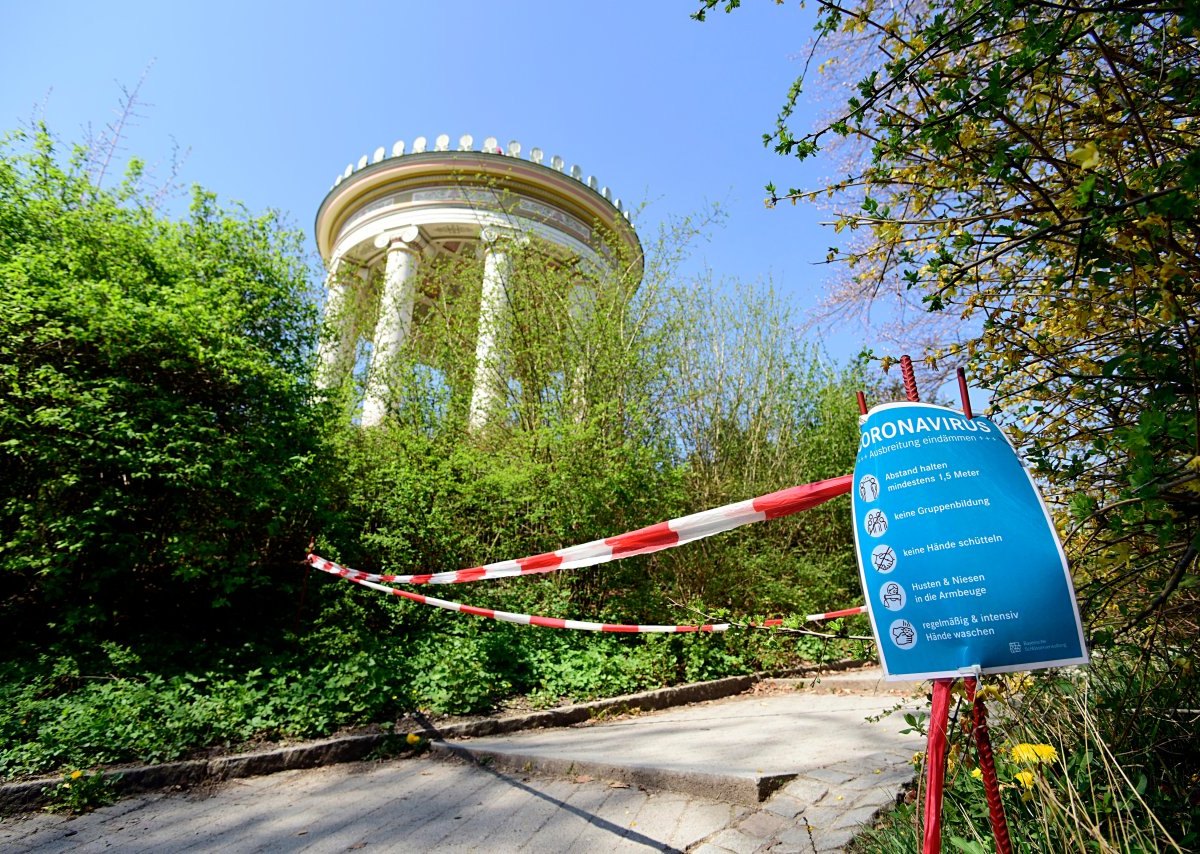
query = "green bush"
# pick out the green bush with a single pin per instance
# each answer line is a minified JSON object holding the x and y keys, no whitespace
{"x":157,"y":433}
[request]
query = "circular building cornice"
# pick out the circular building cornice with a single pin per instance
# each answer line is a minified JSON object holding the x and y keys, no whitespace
{"x":489,"y":184}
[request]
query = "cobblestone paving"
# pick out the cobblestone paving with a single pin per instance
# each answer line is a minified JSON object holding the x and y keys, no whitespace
{"x":815,"y":813}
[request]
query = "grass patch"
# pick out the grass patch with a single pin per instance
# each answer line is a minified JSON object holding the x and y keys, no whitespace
{"x":1080,"y":767}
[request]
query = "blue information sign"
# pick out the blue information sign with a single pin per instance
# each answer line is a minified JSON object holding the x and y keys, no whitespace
{"x":959,"y":559}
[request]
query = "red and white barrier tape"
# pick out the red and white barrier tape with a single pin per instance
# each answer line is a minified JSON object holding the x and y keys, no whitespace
{"x":812,"y":618}
{"x":664,"y":535}
{"x":554,"y":622}
{"x":833,"y":615}
{"x":509,"y":617}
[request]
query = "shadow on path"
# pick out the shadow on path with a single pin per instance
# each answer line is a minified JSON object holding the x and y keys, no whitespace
{"x":592,"y":819}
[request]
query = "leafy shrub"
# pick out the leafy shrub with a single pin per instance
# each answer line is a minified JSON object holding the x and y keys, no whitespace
{"x":156,"y":434}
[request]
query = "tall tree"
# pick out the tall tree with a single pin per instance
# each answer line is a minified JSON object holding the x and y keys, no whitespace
{"x":1033,"y":169}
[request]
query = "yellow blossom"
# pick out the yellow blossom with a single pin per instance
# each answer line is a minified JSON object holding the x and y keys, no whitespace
{"x":1025,"y":778}
{"x":988,"y":692}
{"x":1031,"y":754}
{"x":75,"y":775}
{"x":977,"y":773}
{"x":413,"y":739}
{"x":1086,"y":157}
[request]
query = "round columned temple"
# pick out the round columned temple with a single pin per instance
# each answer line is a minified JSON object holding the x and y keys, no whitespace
{"x":403,"y":210}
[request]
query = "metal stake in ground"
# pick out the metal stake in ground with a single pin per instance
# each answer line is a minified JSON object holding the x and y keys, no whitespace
{"x":983,"y":740}
{"x":939,"y":713}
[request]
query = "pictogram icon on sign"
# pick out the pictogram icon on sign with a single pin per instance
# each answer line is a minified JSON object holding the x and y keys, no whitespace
{"x":892,"y":596}
{"x":903,"y":634}
{"x":868,"y":488}
{"x":876,"y":523}
{"x":883,"y":558}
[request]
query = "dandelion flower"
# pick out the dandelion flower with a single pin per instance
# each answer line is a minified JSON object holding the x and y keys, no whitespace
{"x":1025,"y":778}
{"x":1032,"y":754}
{"x":1046,"y":753}
{"x":75,"y":775}
{"x":413,"y":739}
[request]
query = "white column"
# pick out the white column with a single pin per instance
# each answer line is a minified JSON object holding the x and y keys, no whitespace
{"x":337,"y":333}
{"x":497,"y":267}
{"x":395,"y":319}
{"x":580,"y":306}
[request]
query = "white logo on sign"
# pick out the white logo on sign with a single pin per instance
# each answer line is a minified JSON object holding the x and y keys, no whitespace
{"x":868,"y":488}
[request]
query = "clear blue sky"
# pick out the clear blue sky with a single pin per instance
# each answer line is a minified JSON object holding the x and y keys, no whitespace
{"x":274,"y":99}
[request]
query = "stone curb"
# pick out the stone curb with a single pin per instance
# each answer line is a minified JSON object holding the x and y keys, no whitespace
{"x":648,"y":701}
{"x":28,"y":794}
{"x":848,"y":683}
{"x":746,"y":791}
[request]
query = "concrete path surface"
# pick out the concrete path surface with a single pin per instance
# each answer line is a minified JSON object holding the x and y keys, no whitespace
{"x":417,"y":805}
{"x":776,"y":770}
{"x":740,"y":749}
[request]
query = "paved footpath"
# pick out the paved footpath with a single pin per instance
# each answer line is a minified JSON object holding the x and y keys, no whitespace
{"x":778,"y":770}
